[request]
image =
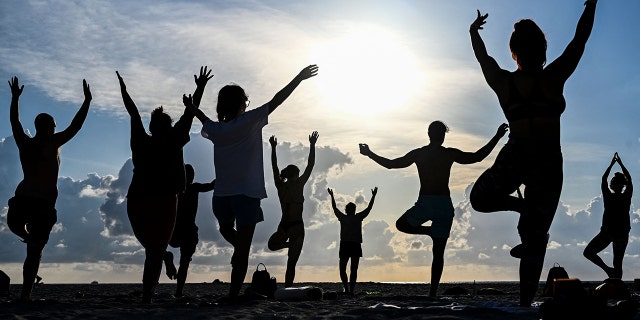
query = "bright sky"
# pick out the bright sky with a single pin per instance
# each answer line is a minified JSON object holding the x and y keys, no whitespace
{"x":387,"y":69}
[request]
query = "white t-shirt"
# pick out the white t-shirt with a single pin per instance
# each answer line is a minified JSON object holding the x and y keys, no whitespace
{"x":237,"y":153}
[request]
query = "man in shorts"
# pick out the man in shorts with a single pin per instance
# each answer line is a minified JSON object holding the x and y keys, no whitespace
{"x":350,"y":238}
{"x":32,"y":211}
{"x":434,"y":203}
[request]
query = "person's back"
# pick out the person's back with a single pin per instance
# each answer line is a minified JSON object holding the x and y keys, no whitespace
{"x":434,"y":169}
{"x":40,"y":160}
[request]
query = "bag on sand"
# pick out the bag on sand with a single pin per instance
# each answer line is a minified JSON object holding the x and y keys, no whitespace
{"x":556,"y":272}
{"x":262,"y":282}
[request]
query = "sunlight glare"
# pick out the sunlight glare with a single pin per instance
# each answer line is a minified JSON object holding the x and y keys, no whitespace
{"x":367,"y":72}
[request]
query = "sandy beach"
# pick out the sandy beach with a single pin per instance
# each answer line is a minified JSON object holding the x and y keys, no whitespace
{"x":490,"y":300}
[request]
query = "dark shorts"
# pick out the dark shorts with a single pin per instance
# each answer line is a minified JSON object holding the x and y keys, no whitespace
{"x":32,"y":217}
{"x":240,"y":210}
{"x":350,"y":249}
{"x":184,"y":237}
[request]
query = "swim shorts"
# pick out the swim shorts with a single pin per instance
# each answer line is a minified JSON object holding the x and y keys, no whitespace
{"x":435,"y":208}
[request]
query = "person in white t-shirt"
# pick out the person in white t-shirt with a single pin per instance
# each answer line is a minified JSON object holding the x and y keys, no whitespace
{"x":237,"y":143}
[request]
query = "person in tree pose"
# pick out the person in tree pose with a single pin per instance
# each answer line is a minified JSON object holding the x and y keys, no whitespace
{"x":433,"y":162}
{"x":532,"y":100}
{"x":290,"y":185}
{"x":237,"y":157}
{"x":32,"y":211}
{"x":158,"y":178}
{"x":185,"y":232}
{"x":615,"y":219}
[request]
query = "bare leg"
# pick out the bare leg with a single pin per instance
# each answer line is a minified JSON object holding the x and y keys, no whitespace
{"x":240,"y":259}
{"x":151,"y":273}
{"x":278,"y":240}
{"x":437,"y":265}
{"x":185,"y":259}
{"x":596,"y":245}
{"x":229,"y":234}
{"x":353,"y":277}
{"x":30,"y":268}
{"x":343,"y":274}
{"x":619,"y":247}
{"x":404,"y":226}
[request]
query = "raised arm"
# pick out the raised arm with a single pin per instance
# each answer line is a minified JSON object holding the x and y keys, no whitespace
{"x":333,"y":205}
{"x":629,"y":188}
{"x":313,"y":138}
{"x":188,"y":103}
{"x":274,"y":160}
{"x":74,"y":127}
{"x":482,"y":153}
{"x":186,"y":120}
{"x":14,"y":112}
{"x":490,"y":68}
{"x":136,"y":120}
{"x":604,"y":185}
{"x":401,"y":162}
{"x":285,"y":92}
{"x":366,"y":211}
{"x":564,"y":65}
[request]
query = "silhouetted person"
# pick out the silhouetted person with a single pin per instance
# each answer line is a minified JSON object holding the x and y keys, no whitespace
{"x":158,"y":178}
{"x":615,"y":220}
{"x":532,"y":100}
{"x":290,"y":185}
{"x":185,"y":232}
{"x":32,"y":211}
{"x":237,"y":157}
{"x":350,"y":238}
{"x":433,"y":162}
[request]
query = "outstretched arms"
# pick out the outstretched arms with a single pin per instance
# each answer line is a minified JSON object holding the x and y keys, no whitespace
{"x":490,"y":68}
{"x":401,"y":162}
{"x":564,"y":65}
{"x":366,"y":211}
{"x":74,"y":127}
{"x":313,"y":138}
{"x":285,"y":92}
{"x":274,"y":160}
{"x":468,"y":157}
{"x":14,"y":112}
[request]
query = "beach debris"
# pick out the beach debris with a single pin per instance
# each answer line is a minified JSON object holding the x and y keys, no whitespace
{"x":217,"y":281}
{"x":94,"y":283}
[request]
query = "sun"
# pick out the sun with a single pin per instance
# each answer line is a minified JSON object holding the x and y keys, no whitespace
{"x":367,"y":72}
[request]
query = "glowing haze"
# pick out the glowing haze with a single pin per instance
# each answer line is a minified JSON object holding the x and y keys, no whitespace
{"x":387,"y":69}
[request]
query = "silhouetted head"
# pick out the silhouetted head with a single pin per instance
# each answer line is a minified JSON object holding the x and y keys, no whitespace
{"x":528,"y":45}
{"x":437,"y":130}
{"x":189,"y":172}
{"x":160,"y":123}
{"x":45,"y":125}
{"x":232,"y":101}
{"x":290,"y":172}
{"x":350,"y":209}
{"x":618,"y":182}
